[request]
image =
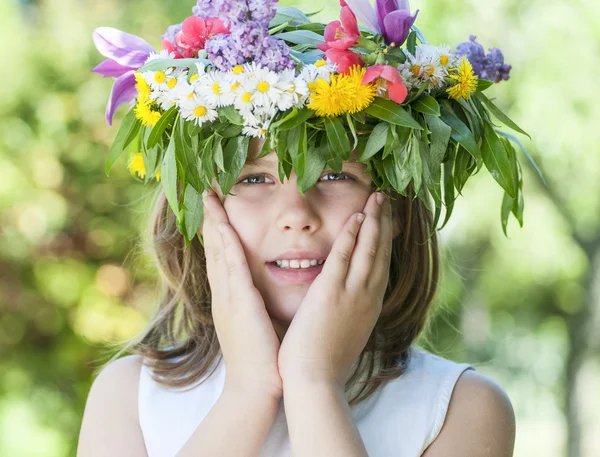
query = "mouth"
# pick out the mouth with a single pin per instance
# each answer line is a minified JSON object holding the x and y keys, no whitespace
{"x":292,"y":275}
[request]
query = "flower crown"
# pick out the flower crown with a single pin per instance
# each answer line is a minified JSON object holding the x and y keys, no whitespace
{"x":314,"y":93}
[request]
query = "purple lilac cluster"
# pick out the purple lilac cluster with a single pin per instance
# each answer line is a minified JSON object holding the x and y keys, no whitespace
{"x":248,"y":22}
{"x":490,"y":66}
{"x":170,"y":34}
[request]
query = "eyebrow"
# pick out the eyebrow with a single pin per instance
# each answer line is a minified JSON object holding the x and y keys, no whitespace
{"x":256,"y":162}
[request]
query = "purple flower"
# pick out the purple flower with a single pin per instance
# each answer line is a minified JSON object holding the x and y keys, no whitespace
{"x":276,"y":56}
{"x":490,"y":66}
{"x":126,"y":53}
{"x":248,"y":41}
{"x":207,"y":8}
{"x":394,"y":20}
{"x":262,"y":10}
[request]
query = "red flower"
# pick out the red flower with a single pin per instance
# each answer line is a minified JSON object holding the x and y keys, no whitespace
{"x":391,"y":80}
{"x":341,"y":35}
{"x":193,"y":35}
{"x":344,"y":59}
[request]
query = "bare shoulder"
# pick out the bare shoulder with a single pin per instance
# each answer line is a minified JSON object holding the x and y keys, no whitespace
{"x":110,"y":423}
{"x":480,"y":420}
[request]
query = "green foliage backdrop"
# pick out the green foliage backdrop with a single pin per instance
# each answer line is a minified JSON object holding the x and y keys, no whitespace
{"x":74,"y":276}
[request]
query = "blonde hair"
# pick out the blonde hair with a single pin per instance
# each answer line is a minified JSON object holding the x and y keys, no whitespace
{"x":180,"y":343}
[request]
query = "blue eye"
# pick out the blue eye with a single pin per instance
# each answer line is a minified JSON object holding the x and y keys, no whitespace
{"x":260,"y":179}
{"x":334,"y":173}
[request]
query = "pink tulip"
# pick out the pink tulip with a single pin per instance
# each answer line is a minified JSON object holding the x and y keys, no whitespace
{"x":193,"y":35}
{"x":343,"y":34}
{"x":344,"y":59}
{"x":391,"y":79}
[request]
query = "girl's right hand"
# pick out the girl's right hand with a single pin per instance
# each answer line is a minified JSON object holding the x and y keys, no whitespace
{"x":246,"y":335}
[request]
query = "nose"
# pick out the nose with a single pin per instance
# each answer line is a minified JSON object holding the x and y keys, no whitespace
{"x":296,"y":212}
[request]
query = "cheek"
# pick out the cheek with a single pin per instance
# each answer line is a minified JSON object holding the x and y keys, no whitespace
{"x":247,"y":223}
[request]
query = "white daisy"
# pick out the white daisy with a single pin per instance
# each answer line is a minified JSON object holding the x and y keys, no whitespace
{"x":157,"y":80}
{"x":244,"y":96}
{"x":267,"y":90}
{"x":216,"y":87}
{"x":198,"y":110}
{"x":169,"y":97}
{"x":163,"y":54}
{"x":256,"y":124}
{"x":320,"y":69}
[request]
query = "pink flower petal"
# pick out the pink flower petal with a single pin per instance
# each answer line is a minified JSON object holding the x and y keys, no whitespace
{"x":371,"y":74}
{"x":349,"y":22}
{"x":397,"y":92}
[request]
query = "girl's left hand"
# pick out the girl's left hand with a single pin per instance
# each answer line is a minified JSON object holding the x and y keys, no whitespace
{"x":342,"y":305}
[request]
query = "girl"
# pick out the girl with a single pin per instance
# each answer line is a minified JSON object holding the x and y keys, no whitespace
{"x":290,"y":329}
{"x":273,"y":353}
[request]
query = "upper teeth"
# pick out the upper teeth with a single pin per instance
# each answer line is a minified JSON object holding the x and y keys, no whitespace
{"x":299,"y":263}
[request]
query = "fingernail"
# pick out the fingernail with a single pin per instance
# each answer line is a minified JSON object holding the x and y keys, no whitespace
{"x":360,"y":217}
{"x":380,"y":198}
{"x":204,"y":194}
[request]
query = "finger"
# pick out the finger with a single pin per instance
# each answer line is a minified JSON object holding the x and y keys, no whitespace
{"x":381,"y":267}
{"x":367,"y":244}
{"x":336,"y":265}
{"x":208,"y":234}
{"x":215,"y":207}
{"x":221,"y":270}
{"x":235,"y":258}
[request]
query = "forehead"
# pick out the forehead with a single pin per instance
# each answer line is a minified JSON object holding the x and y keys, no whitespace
{"x":270,"y":160}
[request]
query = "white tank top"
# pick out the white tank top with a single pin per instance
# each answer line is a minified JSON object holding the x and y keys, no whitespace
{"x":401,"y":418}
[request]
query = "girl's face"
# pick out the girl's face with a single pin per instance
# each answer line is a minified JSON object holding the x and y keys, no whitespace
{"x":273,"y":219}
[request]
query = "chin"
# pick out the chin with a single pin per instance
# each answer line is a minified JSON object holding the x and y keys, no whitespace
{"x":283,"y":309}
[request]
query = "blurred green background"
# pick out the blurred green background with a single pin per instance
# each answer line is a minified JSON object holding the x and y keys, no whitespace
{"x":74,"y":275}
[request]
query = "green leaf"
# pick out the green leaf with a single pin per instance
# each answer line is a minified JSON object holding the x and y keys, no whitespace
{"x":289,"y":14}
{"x":337,"y":137}
{"x":411,"y":42}
{"x":218,"y":153}
{"x":161,"y":125}
{"x":500,"y":115}
{"x":163,"y":64}
{"x":391,"y":112}
{"x":415,"y":165}
{"x":235,"y":154}
{"x":301,"y":37}
{"x":313,"y":167}
{"x":130,"y":125}
{"x":497,"y":161}
{"x":303,"y":115}
{"x":483,"y":84}
{"x":231,"y":114}
{"x":168,"y":177}
{"x":426,"y":104}
{"x":352,"y":130}
{"x":449,"y":196}
{"x":515,"y":140}
{"x":376,"y":141}
{"x":460,"y":132}
{"x":186,"y":155}
{"x":193,"y":212}
{"x":440,"y":138}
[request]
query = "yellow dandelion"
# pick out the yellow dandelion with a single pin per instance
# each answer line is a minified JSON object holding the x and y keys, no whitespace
{"x":330,"y":99}
{"x":143,"y":111}
{"x":362,"y":95}
{"x":466,"y":80}
{"x":136,"y":165}
{"x":344,"y":94}
{"x":142,"y":87}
